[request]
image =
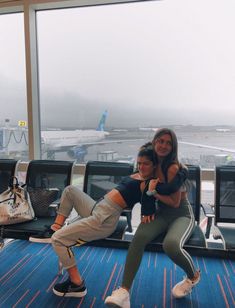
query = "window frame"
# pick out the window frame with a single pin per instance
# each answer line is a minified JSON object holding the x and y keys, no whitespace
{"x":29,"y":9}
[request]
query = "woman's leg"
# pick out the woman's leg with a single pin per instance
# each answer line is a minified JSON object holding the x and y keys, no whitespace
{"x":178,"y":232}
{"x":99,"y":225}
{"x":144,"y":235}
{"x":72,"y":198}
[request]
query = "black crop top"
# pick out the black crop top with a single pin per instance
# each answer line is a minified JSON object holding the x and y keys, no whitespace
{"x":129,"y":189}
{"x":131,"y":192}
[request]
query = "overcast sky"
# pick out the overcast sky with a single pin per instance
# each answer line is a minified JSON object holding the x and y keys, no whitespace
{"x":149,"y":64}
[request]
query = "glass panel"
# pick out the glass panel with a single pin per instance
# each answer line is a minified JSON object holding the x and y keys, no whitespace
{"x":149,"y":67}
{"x":227,"y":193}
{"x":13,"y":118}
{"x":227,"y":200}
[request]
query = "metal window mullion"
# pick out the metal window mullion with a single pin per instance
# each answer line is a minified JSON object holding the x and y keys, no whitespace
{"x":32,"y":82}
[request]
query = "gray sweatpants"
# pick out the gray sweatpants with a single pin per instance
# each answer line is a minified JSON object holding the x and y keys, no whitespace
{"x":96,"y":221}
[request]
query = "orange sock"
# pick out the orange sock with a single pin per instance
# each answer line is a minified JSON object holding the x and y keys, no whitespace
{"x":56,"y":226}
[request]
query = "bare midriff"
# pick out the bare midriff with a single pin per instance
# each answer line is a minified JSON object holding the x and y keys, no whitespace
{"x":115,"y":196}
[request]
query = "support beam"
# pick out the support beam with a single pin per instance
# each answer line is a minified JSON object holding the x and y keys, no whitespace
{"x":33,"y":103}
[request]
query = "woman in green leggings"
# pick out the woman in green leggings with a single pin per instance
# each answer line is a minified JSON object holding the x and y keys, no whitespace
{"x":174,"y":217}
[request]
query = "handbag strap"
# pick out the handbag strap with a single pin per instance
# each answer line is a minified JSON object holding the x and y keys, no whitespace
{"x":11,"y":198}
{"x":13,"y":182}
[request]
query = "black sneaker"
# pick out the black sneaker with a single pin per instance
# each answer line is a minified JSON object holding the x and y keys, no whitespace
{"x":70,"y":289}
{"x":43,"y":237}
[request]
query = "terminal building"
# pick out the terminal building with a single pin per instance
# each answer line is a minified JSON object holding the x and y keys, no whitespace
{"x":148,"y":64}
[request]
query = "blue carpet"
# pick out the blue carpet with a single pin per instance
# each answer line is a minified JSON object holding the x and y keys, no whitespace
{"x":29,"y":271}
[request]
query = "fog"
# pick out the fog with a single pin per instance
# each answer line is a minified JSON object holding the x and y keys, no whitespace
{"x":149,"y":64}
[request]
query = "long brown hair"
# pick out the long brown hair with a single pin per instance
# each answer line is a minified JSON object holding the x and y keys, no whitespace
{"x":172,"y":157}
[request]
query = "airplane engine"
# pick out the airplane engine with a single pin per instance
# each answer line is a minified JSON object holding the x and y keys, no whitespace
{"x":78,"y":153}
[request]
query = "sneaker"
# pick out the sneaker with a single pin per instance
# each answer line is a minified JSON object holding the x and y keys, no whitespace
{"x":70,"y":289}
{"x":43,"y":237}
{"x":185,"y":286}
{"x":119,"y":298}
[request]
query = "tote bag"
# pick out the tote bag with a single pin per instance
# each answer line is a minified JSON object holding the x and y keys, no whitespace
{"x":15,"y":204}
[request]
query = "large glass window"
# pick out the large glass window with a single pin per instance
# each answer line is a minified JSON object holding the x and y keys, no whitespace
{"x":149,"y":65}
{"x":13,"y":115}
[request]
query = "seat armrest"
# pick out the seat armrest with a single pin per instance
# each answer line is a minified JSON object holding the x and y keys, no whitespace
{"x":128,"y":213}
{"x":208,"y":210}
{"x":126,"y":210}
{"x":210,"y":214}
{"x":55,"y":204}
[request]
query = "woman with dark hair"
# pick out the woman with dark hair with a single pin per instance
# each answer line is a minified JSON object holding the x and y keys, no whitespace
{"x":174,"y":217}
{"x":98,"y":219}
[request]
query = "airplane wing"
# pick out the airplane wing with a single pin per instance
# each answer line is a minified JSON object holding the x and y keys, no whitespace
{"x":63,"y":148}
{"x":199,"y":145}
{"x":78,"y":151}
{"x":112,"y":141}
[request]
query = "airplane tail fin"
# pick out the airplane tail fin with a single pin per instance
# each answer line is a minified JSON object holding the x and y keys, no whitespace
{"x":102,"y":121}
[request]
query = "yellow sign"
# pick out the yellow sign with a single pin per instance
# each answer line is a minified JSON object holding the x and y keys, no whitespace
{"x":22,"y":123}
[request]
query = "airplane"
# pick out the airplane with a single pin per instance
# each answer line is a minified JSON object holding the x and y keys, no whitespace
{"x":14,"y":140}
{"x":76,"y":142}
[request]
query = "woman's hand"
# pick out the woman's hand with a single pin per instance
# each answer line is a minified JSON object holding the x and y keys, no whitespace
{"x":147,"y":218}
{"x":152,"y":184}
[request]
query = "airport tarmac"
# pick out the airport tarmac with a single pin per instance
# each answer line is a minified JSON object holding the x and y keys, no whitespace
{"x":205,"y":157}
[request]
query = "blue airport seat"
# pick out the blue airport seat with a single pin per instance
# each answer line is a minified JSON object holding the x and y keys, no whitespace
{"x":102,"y":176}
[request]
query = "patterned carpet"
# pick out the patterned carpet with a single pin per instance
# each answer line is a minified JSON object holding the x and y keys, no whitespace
{"x":29,"y":271}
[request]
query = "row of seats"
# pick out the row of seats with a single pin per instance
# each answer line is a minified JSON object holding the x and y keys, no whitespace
{"x":101,"y":177}
{"x":43,"y":174}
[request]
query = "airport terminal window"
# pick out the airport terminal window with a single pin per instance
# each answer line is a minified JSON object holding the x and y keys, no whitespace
{"x":146,"y":70}
{"x":138,"y":61}
{"x":13,"y":116}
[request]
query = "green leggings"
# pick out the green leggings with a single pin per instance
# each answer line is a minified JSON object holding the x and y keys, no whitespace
{"x":178,"y":228}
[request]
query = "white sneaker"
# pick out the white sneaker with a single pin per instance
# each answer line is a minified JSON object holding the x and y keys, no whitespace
{"x":119,"y":298}
{"x":185,"y":286}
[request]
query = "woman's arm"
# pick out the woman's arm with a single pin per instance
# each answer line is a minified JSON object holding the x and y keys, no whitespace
{"x":170,"y":187}
{"x":173,"y":185}
{"x":173,"y":199}
{"x":148,"y":207}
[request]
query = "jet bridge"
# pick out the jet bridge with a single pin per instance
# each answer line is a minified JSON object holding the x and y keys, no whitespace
{"x":13,"y":141}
